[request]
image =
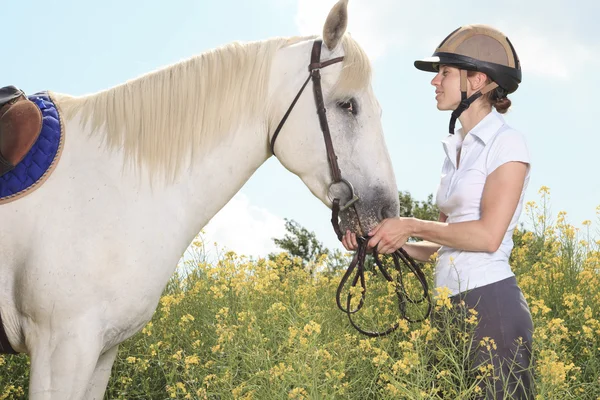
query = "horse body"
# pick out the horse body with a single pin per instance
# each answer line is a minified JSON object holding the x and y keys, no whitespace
{"x":91,"y":257}
{"x":86,"y":256}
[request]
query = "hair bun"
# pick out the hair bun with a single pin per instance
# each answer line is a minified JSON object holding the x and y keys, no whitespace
{"x":502,"y":104}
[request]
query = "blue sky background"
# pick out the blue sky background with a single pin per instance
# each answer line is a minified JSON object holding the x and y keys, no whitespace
{"x":80,"y":47}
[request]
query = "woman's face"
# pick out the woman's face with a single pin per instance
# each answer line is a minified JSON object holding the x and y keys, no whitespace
{"x":447,"y":87}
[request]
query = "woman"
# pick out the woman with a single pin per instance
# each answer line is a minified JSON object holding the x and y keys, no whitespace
{"x":480,"y":195}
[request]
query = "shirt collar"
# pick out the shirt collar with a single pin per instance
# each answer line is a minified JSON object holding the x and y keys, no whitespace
{"x":484,"y":131}
{"x":487,"y":128}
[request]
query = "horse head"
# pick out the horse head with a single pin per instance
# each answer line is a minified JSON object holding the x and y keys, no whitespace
{"x":354,"y":165}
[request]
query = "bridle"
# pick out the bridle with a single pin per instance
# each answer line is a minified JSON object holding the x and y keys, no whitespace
{"x":315,"y":74}
{"x":359,"y":257}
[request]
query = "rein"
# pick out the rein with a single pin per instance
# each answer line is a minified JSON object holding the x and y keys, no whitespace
{"x":400,"y":257}
{"x":358,"y":261}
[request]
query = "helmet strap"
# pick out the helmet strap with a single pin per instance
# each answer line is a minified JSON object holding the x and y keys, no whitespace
{"x":466,"y":102}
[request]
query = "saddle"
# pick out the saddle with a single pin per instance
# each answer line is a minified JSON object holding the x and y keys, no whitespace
{"x":20,"y":127}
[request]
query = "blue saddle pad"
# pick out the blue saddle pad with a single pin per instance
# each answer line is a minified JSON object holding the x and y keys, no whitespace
{"x":40,"y":158}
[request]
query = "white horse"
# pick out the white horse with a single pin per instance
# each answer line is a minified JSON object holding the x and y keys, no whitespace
{"x":146,"y":165}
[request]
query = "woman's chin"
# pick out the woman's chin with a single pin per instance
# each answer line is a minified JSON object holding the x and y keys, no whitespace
{"x":439,"y":103}
{"x":444,"y":107}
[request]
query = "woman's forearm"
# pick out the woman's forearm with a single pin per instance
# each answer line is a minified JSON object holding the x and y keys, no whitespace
{"x":421,"y":251}
{"x":468,"y":235}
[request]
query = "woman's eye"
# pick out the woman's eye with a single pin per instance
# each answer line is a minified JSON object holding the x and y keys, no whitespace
{"x":348,"y":106}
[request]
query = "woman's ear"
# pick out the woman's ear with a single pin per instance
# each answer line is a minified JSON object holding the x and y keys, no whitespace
{"x":477,"y":81}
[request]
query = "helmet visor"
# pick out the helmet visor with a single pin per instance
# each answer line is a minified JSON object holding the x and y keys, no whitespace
{"x":432,"y":64}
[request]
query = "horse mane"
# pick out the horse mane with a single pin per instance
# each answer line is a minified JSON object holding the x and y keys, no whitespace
{"x":165,"y":118}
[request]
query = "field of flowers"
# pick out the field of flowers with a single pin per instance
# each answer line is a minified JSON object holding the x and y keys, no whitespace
{"x":270,"y":329}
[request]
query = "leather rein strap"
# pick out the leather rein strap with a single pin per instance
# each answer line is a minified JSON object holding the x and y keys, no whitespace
{"x":315,"y":74}
{"x":360,"y":255}
{"x":358,"y":263}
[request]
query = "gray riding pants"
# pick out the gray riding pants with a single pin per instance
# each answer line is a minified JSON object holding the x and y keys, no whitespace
{"x":503,"y":316}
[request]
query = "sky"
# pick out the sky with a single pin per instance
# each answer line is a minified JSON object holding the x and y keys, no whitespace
{"x":80,"y":47}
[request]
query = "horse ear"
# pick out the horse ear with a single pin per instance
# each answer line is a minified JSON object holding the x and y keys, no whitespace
{"x":335,"y":25}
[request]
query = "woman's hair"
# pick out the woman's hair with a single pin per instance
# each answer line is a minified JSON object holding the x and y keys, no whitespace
{"x":497,"y":97}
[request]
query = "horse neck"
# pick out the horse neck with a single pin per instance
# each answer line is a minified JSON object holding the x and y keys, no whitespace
{"x":214,"y":179}
{"x":220,"y":175}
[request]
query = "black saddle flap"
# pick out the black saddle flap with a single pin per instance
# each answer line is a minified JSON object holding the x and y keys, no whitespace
{"x":9,"y":93}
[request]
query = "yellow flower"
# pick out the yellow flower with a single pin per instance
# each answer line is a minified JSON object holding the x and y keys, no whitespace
{"x":539,"y":306}
{"x":208,"y":380}
{"x":147,"y":329}
{"x":472,"y":320}
{"x":126,"y":380}
{"x":185,"y":319}
{"x":485,"y":370}
{"x":278,"y":371}
{"x":442,"y":298}
{"x":168,"y":301}
{"x":312,"y":327}
{"x":380,"y":358}
{"x":333,"y":374}
{"x":173,"y":391}
{"x":356,"y":293}
{"x":552,"y":371}
{"x":403,"y":326}
{"x":393,"y":390}
{"x":544,"y":190}
{"x":443,"y":373}
{"x":189,"y":360}
{"x":11,"y":390}
{"x":277,"y":308}
{"x":557,"y":330}
{"x":298,"y":394}
{"x":324,"y":354}
{"x":488,"y":343}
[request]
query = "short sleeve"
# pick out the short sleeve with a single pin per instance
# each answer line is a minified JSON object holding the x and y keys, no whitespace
{"x":506,"y":147}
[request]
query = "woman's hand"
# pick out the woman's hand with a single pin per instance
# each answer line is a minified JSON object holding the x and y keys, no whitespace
{"x":349,"y":241}
{"x":391,"y":234}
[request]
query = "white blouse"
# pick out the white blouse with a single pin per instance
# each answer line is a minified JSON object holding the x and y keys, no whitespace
{"x":488,"y":145}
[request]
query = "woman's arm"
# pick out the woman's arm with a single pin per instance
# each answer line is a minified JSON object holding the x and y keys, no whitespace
{"x":422,"y":251}
{"x":500,"y":197}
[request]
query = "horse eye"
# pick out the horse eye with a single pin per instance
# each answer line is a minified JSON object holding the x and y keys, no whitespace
{"x":348,"y":106}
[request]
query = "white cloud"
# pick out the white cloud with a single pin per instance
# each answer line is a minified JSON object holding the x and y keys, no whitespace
{"x":538,"y":55}
{"x":384,"y":25}
{"x":550,"y":54}
{"x":244,"y":228}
